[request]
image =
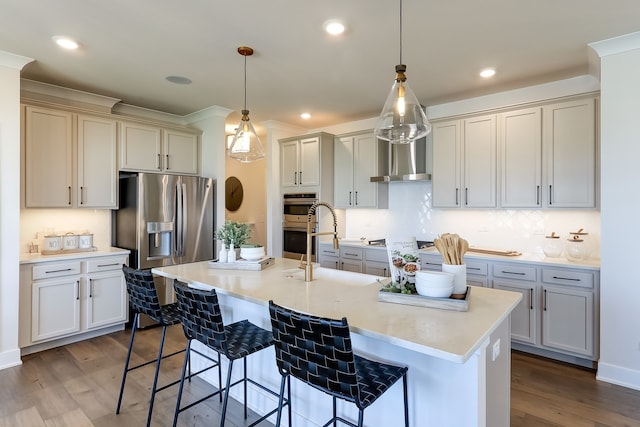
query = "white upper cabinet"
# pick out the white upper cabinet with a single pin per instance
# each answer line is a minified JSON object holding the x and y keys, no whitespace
{"x":570,"y":153}
{"x":48,"y":158}
{"x":355,"y":162}
{"x":97,"y":169}
{"x":464,"y":151}
{"x":479,"y":152}
{"x":520,"y":148}
{"x":544,"y":156}
{"x":67,"y":170}
{"x":153,"y":149}
{"x":446,"y":174}
{"x":306,"y":163}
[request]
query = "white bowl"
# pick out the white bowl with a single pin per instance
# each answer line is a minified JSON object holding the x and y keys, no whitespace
{"x":434,"y":279}
{"x":439,"y":292}
{"x":252,"y":254}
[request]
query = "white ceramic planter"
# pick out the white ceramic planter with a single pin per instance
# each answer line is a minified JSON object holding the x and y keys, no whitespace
{"x":459,"y":277}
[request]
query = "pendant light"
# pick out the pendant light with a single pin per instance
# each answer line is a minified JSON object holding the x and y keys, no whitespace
{"x":246,"y":146}
{"x":402,"y":119}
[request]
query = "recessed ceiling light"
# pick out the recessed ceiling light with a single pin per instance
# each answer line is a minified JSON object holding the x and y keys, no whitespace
{"x":333,"y":27}
{"x":305,"y":116}
{"x":487,"y":72}
{"x":179,"y":80}
{"x":65,"y":42}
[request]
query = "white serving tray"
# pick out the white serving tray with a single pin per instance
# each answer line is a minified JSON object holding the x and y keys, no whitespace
{"x":243,"y":264}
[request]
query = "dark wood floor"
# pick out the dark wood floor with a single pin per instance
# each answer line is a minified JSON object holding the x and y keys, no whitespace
{"x":77,"y":385}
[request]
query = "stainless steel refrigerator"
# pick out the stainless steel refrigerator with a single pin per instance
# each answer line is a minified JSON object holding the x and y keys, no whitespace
{"x":164,"y":220}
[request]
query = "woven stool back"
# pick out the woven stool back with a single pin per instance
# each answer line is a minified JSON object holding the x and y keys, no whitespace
{"x":143,"y":297}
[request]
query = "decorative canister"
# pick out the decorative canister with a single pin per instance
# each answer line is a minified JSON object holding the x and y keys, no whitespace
{"x":578,"y":246}
{"x":552,"y":246}
{"x":70,"y":241}
{"x":52,"y":243}
{"x":85,"y":241}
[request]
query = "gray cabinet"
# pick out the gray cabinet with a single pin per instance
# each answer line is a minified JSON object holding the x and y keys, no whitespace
{"x":363,"y":259}
{"x":306,"y":164}
{"x":558,"y":314}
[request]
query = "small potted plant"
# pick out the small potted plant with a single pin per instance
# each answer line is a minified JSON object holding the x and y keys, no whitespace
{"x":232,"y":232}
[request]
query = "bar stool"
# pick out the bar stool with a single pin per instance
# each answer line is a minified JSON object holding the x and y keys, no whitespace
{"x":318,"y":351}
{"x":143,"y":299}
{"x":202,"y":321}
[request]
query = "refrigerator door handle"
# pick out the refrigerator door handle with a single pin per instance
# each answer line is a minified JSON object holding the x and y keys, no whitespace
{"x":184,"y":212}
{"x":179,"y":220}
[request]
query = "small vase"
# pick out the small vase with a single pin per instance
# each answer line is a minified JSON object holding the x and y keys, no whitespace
{"x":222,"y":255}
{"x":459,"y":278}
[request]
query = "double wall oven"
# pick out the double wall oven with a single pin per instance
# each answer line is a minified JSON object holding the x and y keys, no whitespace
{"x":295,"y":208}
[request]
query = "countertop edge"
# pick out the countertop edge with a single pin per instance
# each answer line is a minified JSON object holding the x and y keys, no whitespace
{"x":38,"y":258}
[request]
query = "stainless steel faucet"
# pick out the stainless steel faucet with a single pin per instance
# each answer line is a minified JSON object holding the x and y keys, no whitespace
{"x":308,"y":266}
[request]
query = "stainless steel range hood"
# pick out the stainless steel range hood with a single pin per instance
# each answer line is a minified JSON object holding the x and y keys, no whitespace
{"x":406,"y":162}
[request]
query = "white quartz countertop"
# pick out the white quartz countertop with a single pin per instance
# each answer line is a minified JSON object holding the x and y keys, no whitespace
{"x":526,"y":257}
{"x":66,"y":256}
{"x":450,"y":335}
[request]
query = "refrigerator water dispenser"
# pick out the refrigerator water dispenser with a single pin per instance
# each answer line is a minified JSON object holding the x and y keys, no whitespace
{"x":160,"y":238}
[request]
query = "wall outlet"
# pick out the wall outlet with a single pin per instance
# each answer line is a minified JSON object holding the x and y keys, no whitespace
{"x":496,"y":350}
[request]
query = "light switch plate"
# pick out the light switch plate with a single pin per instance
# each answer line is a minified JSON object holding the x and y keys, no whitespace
{"x":496,"y":349}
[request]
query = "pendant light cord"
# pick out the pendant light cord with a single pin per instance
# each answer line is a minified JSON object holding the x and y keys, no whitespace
{"x":400,"y":32}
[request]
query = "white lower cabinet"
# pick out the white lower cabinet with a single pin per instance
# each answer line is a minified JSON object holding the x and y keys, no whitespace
{"x":56,"y":308}
{"x":368,"y":260}
{"x":62,"y":299}
{"x":558,"y":314}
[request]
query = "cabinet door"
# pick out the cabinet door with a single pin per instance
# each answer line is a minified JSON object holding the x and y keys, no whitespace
{"x":351,"y":265}
{"x":48,"y":158}
{"x":180,"y":152}
{"x":377,"y":269}
{"x":523,"y":317}
{"x":365,"y":166}
{"x":343,"y":195}
{"x":330,"y":262}
{"x":309,"y":171}
{"x":570,"y":144}
{"x":106,"y":299}
{"x":479,"y":151}
{"x":520,"y":141}
{"x":289,"y":164}
{"x":140,"y":147}
{"x":55,"y":308}
{"x":445,"y":179}
{"x":567,"y":320}
{"x":97,"y":169}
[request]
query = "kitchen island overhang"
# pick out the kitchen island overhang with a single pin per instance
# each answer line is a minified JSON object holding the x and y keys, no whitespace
{"x":450,"y":354}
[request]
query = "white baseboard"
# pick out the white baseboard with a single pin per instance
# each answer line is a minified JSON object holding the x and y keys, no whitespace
{"x":10,"y":358}
{"x":618,"y":375}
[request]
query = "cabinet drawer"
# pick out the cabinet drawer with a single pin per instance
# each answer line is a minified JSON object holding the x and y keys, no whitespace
{"x":431,"y":262}
{"x":567,"y":277}
{"x":59,"y":269}
{"x":514,"y":272}
{"x":105,"y":264}
{"x":376,"y":255}
{"x":477,"y":268}
{"x":351,"y":253}
{"x":327,"y":250}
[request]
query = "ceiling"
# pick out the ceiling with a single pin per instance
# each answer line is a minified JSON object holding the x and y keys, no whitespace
{"x":127,"y":48}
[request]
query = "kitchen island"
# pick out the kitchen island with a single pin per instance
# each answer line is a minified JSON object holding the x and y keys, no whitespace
{"x":459,"y":362}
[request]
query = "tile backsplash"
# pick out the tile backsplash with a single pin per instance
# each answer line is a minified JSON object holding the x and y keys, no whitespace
{"x":35,"y":222}
{"x":410,"y":214}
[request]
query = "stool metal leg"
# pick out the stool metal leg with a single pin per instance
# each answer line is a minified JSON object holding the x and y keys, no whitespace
{"x":281,"y":401}
{"x":187,"y":362}
{"x":155,"y":377}
{"x":126,"y":363}
{"x":226,"y":394}
{"x":406,"y":401}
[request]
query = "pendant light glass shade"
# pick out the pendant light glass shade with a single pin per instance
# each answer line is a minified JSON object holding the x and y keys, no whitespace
{"x":246,"y":146}
{"x":403,"y":119}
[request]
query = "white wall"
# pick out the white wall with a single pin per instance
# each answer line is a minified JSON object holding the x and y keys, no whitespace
{"x":620,"y":178}
{"x":10,"y":66}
